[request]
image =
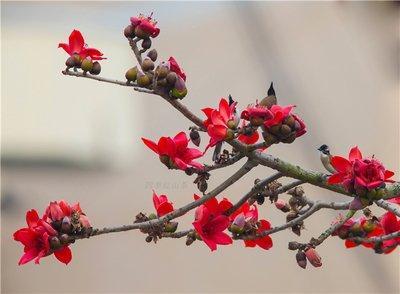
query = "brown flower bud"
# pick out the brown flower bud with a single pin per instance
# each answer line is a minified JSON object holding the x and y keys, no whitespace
{"x":129,"y":31}
{"x":162,"y":72}
{"x":297,"y":229}
{"x":162,"y":83}
{"x":313,"y":257}
{"x":189,"y":240}
{"x":66,"y":225}
{"x":301,"y":259}
{"x":146,"y":43}
{"x":96,"y":69}
{"x":202,"y":186}
{"x":285,"y":130}
{"x":152,"y":54}
{"x":147,"y":64}
{"x":269,"y":138}
{"x":54,"y":243}
{"x":290,"y":139}
{"x":149,"y":239}
{"x":171,"y":78}
{"x":64,"y":239}
{"x":71,"y":62}
{"x":291,"y":216}
{"x":275,"y":130}
{"x":141,"y":33}
{"x":195,"y":137}
{"x":293,"y":245}
{"x":290,"y":121}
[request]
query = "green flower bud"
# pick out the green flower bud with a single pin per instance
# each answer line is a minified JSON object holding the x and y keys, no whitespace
{"x":236,"y":229}
{"x":152,"y":216}
{"x":229,"y":135}
{"x":87,"y":64}
{"x":143,"y":80}
{"x":131,"y":74}
{"x":170,"y":227}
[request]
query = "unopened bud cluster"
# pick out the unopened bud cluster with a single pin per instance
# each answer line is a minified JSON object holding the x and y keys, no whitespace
{"x":86,"y":64}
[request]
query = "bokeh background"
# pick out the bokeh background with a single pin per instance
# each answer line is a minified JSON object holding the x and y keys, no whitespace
{"x":79,"y":140}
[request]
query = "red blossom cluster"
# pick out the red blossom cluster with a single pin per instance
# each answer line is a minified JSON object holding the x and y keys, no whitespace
{"x":362,"y":176}
{"x":371,"y":226}
{"x":51,"y":233}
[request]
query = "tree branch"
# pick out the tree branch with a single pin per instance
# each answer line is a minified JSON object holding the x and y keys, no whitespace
{"x":388,"y":206}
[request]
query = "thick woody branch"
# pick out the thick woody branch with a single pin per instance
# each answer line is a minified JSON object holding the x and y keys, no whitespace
{"x":388,"y":206}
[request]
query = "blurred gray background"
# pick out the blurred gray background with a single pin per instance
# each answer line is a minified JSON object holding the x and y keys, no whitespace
{"x":79,"y":140}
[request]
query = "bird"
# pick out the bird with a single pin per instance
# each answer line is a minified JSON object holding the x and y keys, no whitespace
{"x":326,"y":157}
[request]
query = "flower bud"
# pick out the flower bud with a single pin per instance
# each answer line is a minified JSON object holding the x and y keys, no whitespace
{"x":147,"y":64}
{"x":368,"y":226}
{"x":297,"y":229}
{"x":313,"y":257}
{"x":293,"y":245}
{"x":171,"y":78}
{"x":141,"y":33}
{"x":289,"y":139}
{"x":149,"y":239}
{"x":66,"y":225}
{"x":129,"y":31}
{"x":275,"y":130}
{"x":269,"y":138}
{"x":162,"y":83}
{"x":162,"y":72}
{"x":180,"y":94}
{"x":152,"y":216}
{"x":170,"y":227}
{"x":87,"y":64}
{"x":291,"y":216}
{"x":64,"y":239}
{"x":71,"y":62}
{"x":356,"y":229}
{"x":301,"y":259}
{"x":356,"y":204}
{"x":146,"y":43}
{"x":195,"y":137}
{"x":131,"y":74}
{"x":285,"y":130}
{"x":231,"y":124}
{"x":282,"y":205}
{"x":165,"y":160}
{"x":202,"y":186}
{"x":96,"y":69}
{"x":143,"y":80}
{"x":189,"y":240}
{"x":290,"y":121}
{"x":229,"y":135}
{"x":152,"y":54}
{"x":54,"y":243}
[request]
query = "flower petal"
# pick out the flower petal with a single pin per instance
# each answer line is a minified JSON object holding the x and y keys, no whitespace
{"x":64,"y":254}
{"x":355,"y":153}
{"x":341,"y":164}
{"x":153,"y":146}
{"x":76,"y":42}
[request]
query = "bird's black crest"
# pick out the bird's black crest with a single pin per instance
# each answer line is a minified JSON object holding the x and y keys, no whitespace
{"x":271,"y":91}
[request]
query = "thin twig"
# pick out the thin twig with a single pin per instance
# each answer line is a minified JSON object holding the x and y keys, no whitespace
{"x":376,"y":239}
{"x":253,"y":192}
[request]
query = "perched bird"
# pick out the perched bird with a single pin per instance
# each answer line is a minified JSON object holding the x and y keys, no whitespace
{"x":326,"y":157}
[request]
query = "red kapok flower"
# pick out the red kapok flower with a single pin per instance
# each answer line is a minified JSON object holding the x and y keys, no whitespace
{"x":162,"y":205}
{"x":283,"y":126}
{"x":247,"y":216}
{"x":220,"y":121}
{"x":174,"y":66}
{"x":145,"y":26}
{"x":35,"y":239}
{"x":76,"y":45}
{"x":256,"y":114}
{"x":210,"y":223}
{"x":174,"y":152}
{"x":357,"y":172}
{"x":390,"y":224}
{"x":62,"y":211}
